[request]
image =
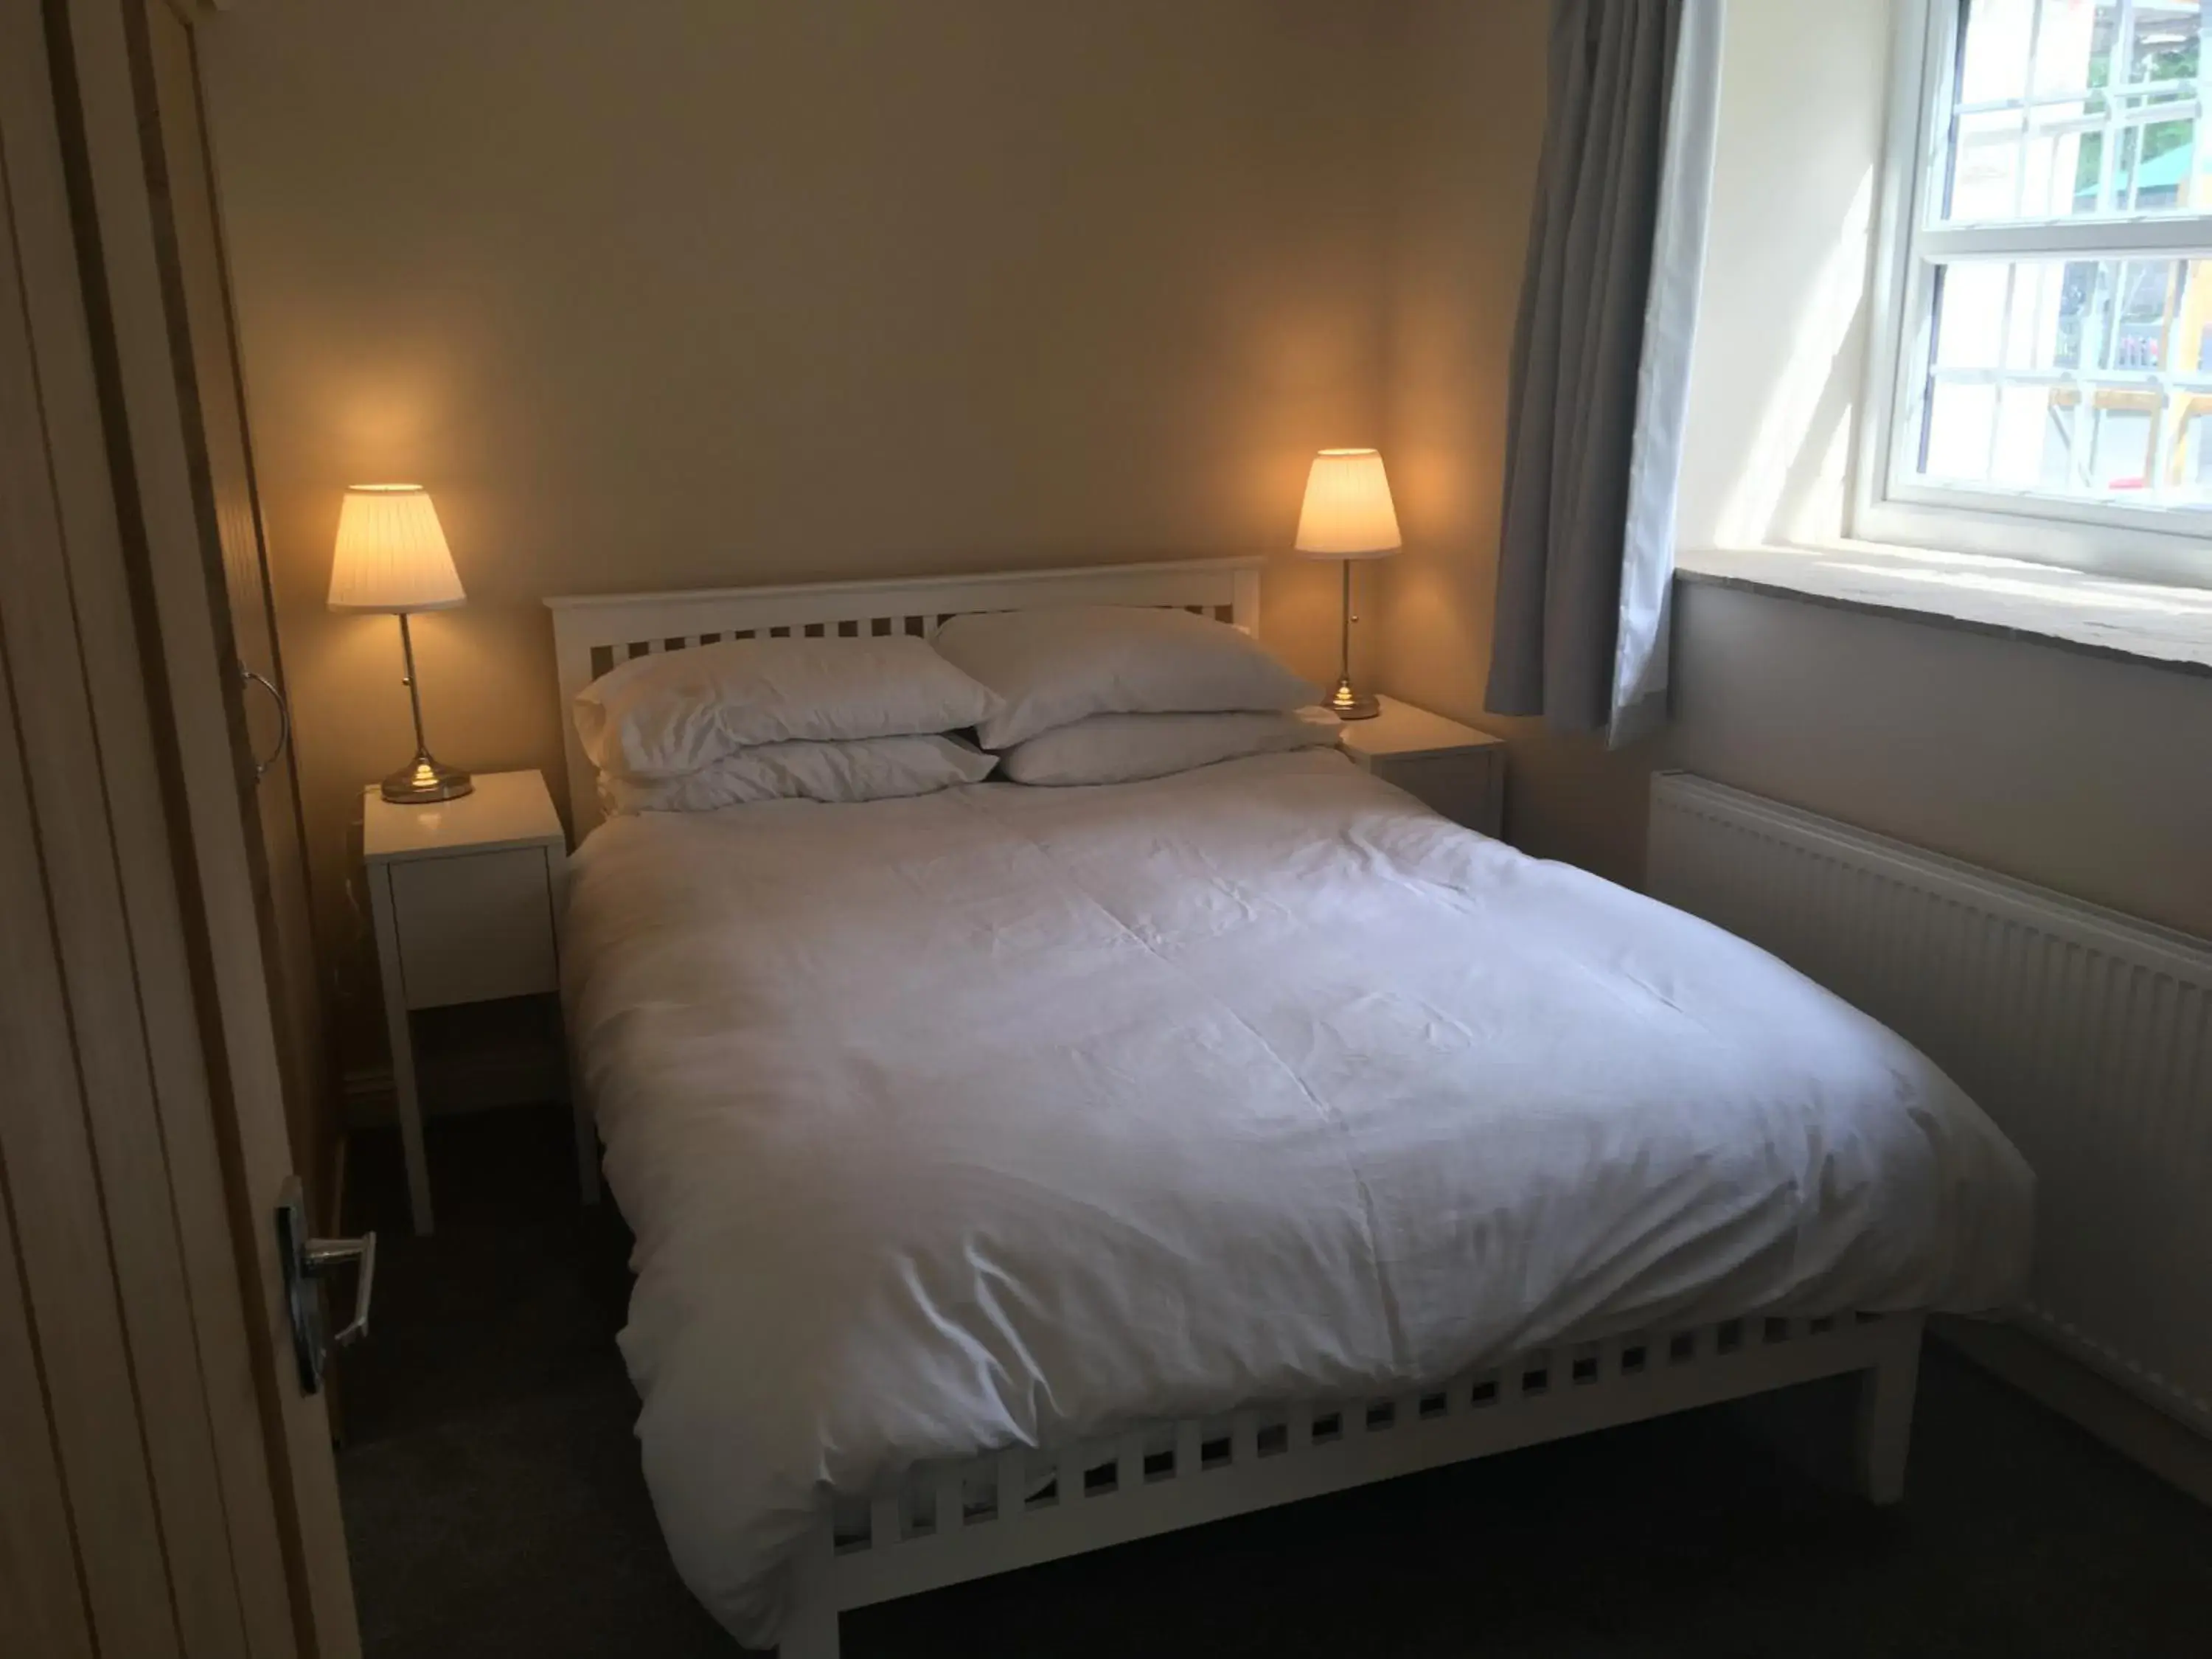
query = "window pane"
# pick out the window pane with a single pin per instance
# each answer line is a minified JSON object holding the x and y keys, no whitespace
{"x":2069,"y":108}
{"x":2084,"y":378}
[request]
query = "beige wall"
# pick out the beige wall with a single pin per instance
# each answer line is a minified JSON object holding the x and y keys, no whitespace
{"x":2085,"y":776}
{"x":718,"y":291}
{"x":738,"y":293}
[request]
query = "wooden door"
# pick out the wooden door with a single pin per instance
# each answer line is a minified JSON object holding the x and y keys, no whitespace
{"x":196,"y":278}
{"x":167,"y":1484}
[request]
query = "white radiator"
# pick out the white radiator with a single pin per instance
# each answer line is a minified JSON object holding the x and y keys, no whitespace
{"x":2085,"y":1034}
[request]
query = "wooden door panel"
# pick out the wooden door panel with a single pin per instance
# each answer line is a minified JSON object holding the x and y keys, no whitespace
{"x":184,"y":189}
{"x":41,"y":1608}
{"x":130,"y":1314}
{"x":144,"y":1161}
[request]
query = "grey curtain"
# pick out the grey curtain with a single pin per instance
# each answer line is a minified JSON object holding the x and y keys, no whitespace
{"x":1600,"y":364}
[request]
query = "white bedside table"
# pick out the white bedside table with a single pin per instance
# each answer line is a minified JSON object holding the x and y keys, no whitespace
{"x":1452,"y":768}
{"x":466,"y":895}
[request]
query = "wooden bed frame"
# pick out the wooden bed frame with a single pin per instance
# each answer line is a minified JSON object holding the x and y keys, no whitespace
{"x":942,"y":1524}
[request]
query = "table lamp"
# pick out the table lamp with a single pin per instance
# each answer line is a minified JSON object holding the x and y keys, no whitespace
{"x":392,"y":556}
{"x":1348,"y":516}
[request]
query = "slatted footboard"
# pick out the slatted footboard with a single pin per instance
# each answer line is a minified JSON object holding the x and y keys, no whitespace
{"x":947,"y":1524}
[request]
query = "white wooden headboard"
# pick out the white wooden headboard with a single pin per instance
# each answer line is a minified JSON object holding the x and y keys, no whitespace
{"x":592,"y":632}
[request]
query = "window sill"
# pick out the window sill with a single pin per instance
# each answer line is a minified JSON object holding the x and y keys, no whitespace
{"x":2098,"y":616}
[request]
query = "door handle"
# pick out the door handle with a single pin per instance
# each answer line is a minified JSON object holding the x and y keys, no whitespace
{"x":250,"y":676}
{"x":306,"y":1260}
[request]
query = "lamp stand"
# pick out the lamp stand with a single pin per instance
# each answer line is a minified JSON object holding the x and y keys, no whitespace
{"x":422,"y":780}
{"x":1345,"y":703}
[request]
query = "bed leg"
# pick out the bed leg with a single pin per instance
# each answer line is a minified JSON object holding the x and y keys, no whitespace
{"x":1885,"y":1423}
{"x":810,"y":1631}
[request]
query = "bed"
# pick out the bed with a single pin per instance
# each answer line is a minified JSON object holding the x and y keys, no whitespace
{"x":1017,"y":1171}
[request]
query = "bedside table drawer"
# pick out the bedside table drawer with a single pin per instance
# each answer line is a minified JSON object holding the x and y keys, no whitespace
{"x":474,"y":927}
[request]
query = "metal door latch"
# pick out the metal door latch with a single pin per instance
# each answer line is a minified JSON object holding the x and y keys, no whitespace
{"x":306,"y":1261}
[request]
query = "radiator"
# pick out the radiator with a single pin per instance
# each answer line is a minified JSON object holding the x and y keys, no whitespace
{"x":2086,"y":1035}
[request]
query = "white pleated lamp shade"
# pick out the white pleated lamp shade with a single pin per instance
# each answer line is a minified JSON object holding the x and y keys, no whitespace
{"x":1347,"y":514}
{"x":391,"y":553}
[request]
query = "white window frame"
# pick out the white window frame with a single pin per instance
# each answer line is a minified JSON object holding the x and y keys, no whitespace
{"x":1889,"y":501}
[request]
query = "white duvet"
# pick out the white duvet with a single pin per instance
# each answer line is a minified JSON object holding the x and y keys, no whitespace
{"x":1006,"y":1115}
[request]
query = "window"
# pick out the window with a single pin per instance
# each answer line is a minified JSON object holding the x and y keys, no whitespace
{"x":2045,"y":387}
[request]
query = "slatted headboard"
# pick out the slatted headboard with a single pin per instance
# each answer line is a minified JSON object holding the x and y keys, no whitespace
{"x":591,"y":632}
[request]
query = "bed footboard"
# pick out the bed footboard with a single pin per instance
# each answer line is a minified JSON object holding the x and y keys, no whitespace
{"x":950,"y":1523}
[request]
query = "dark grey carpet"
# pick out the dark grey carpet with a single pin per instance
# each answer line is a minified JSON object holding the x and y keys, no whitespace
{"x":495,"y":1505}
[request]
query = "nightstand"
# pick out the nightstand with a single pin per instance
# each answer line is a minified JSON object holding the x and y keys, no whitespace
{"x":1451,"y":769}
{"x":466,"y":896}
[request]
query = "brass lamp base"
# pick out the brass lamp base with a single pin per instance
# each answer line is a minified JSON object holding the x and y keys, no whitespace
{"x":423,"y":781}
{"x":1347,"y":704}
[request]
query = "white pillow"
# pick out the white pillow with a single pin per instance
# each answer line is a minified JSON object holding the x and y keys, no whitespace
{"x":665,"y":715}
{"x":1056,"y":665}
{"x":1123,"y":748}
{"x":865,"y":769}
